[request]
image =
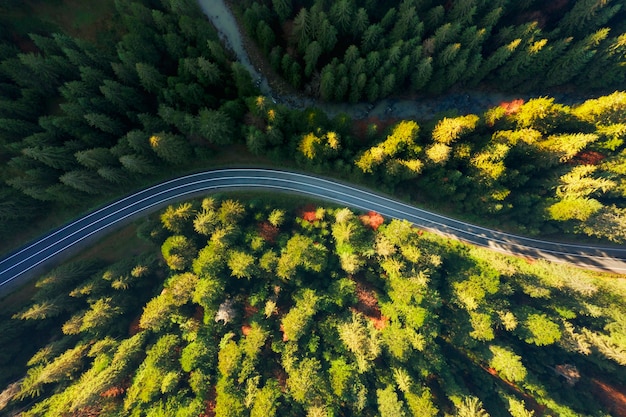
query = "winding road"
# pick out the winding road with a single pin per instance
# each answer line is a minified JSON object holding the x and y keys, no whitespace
{"x":66,"y":241}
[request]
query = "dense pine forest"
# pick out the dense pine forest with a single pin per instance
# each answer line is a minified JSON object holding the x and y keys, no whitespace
{"x":364,"y":49}
{"x":257,"y":309}
{"x":261,"y":307}
{"x":81,"y":122}
{"x":78,"y":120}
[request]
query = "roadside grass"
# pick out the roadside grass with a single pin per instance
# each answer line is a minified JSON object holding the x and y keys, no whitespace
{"x":17,"y":300}
{"x":115,"y":247}
{"x":122,"y":243}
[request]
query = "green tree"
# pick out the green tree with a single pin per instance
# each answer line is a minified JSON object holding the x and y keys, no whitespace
{"x":150,"y":77}
{"x":540,"y":330}
{"x":266,"y":401}
{"x":175,"y":219}
{"x":178,"y":252}
{"x":215,"y":126}
{"x":105,"y":123}
{"x":305,"y":381}
{"x":296,"y":322}
{"x":388,"y":402}
{"x":470,"y":407}
{"x":57,"y":157}
{"x":95,"y":158}
{"x":300,"y":251}
{"x":360,"y":337}
{"x":283,"y":8}
{"x":342,"y":15}
{"x":507,"y":363}
{"x":241,"y":264}
{"x":172,"y":148}
{"x":137,"y":164}
{"x":313,"y":53}
{"x":85,"y":181}
{"x":99,"y":318}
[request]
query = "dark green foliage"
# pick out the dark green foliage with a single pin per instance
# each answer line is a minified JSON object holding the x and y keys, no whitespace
{"x":75,"y":118}
{"x":503,"y":45}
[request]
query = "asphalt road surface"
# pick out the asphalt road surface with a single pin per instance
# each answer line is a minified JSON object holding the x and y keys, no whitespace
{"x":60,"y":244}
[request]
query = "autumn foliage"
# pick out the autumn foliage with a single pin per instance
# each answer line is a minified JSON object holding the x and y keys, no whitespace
{"x":587,"y":157}
{"x":309,"y":213}
{"x":268,"y":231}
{"x":512,"y":107}
{"x":372,"y":219}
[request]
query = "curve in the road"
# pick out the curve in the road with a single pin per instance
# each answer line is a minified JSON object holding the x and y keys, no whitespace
{"x":61,"y":243}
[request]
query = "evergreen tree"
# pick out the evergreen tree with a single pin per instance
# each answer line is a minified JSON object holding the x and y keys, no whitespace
{"x":85,"y":181}
{"x":215,"y":126}
{"x":173,"y":149}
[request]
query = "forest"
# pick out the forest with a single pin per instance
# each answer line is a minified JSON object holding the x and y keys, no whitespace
{"x":82,"y":122}
{"x":257,"y":306}
{"x":364,"y":50}
{"x":252,"y":307}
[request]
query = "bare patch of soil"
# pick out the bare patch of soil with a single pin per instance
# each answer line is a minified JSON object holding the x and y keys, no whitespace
{"x":528,"y":400}
{"x":612,"y":396}
{"x":368,"y":306}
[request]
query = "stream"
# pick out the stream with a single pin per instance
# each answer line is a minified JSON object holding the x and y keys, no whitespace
{"x":418,"y":108}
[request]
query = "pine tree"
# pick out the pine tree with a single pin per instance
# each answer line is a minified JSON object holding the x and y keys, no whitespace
{"x":105,"y":123}
{"x":302,"y":29}
{"x":422,"y":74}
{"x":95,"y":158}
{"x":215,"y":126}
{"x":342,"y":14}
{"x":449,"y":130}
{"x":326,"y":34}
{"x":507,"y":363}
{"x":360,"y":24}
{"x":470,"y":407}
{"x":462,"y":11}
{"x":573,"y":61}
{"x":241,"y":264}
{"x":587,"y":15}
{"x":313,"y":52}
{"x":121,"y":96}
{"x":372,"y":38}
{"x":137,"y":164}
{"x":495,"y":60}
{"x":150,"y":77}
{"x":113,"y":175}
{"x":173,"y":149}
{"x":85,"y":181}
{"x":208,"y":72}
{"x":265,"y":36}
{"x":327,"y":83}
{"x":283,"y":9}
{"x":12,"y":130}
{"x":243,"y":80}
{"x":389,"y":405}
{"x":434,"y":18}
{"x":57,"y":157}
